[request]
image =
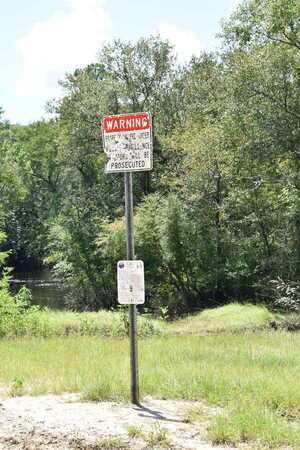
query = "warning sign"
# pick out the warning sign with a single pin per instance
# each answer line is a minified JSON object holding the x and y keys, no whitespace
{"x":127,"y":141}
{"x":131,"y":285}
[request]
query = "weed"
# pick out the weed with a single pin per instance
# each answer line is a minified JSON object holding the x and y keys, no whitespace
{"x":17,"y":387}
{"x":88,"y":324}
{"x":111,"y":444}
{"x":198,"y":413}
{"x":124,"y":318}
{"x":157,"y":437}
{"x":135,"y":432}
{"x":164,"y":312}
{"x":100,"y":444}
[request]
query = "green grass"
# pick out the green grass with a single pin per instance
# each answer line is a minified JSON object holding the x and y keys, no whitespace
{"x":252,"y":378}
{"x":230,"y":317}
{"x":91,"y":365}
{"x":233,"y":317}
{"x":156,"y":437}
{"x":102,"y":323}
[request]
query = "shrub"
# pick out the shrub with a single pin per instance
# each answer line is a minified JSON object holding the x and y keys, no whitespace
{"x":16,"y":312}
{"x":286,"y":295}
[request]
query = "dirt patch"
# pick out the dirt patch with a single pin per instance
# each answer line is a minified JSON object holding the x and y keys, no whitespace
{"x":59,"y":422}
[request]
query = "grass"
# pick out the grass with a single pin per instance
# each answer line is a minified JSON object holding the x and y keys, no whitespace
{"x":252,"y":378}
{"x":231,"y":317}
{"x":89,"y":365}
{"x":201,"y":413}
{"x":135,"y":431}
{"x":115,"y":324}
{"x":100,"y":444}
{"x":102,"y":323}
{"x":110,"y":444}
{"x":156,"y":437}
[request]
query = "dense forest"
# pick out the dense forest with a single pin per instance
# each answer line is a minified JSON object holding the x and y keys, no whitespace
{"x":218,"y":218}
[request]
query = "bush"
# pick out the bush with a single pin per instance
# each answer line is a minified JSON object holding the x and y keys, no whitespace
{"x":16,"y":312}
{"x":286,"y":295}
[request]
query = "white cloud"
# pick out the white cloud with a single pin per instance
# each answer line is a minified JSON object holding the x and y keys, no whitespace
{"x":69,"y":39}
{"x":186,"y":42}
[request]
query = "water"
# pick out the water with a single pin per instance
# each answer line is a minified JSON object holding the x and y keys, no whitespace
{"x":45,"y":291}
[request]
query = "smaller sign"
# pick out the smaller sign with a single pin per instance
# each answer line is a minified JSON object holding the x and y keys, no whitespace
{"x":131,"y":284}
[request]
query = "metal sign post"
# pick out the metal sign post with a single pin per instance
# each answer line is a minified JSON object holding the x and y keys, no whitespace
{"x":127,"y":141}
{"x":132,"y":308}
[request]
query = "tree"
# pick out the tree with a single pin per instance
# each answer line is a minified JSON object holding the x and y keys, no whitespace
{"x":32,"y":192}
{"x":263,"y":123}
{"x":260,"y":22}
{"x":127,"y":78}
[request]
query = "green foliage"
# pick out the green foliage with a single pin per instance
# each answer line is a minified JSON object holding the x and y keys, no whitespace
{"x":157,"y":437}
{"x":16,"y":312}
{"x":3,"y":255}
{"x":263,"y":21}
{"x":74,"y":258}
{"x":17,"y":387}
{"x":287,"y":295}
{"x":17,"y":315}
{"x":31,"y":321}
{"x":217,"y":219}
{"x":151,"y":225}
{"x":33,"y":175}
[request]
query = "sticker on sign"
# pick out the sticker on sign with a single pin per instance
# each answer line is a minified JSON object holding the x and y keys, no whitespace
{"x":131,"y":284}
{"x":127,"y":141}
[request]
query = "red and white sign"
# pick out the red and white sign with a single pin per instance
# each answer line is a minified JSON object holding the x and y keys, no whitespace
{"x":127,"y":141}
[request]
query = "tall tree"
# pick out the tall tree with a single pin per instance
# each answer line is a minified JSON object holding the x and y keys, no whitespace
{"x":262,"y":69}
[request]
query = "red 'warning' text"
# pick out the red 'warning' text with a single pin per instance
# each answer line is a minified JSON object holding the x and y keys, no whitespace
{"x":126,"y":123}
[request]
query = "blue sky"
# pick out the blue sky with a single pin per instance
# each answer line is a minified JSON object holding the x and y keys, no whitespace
{"x":41,"y":40}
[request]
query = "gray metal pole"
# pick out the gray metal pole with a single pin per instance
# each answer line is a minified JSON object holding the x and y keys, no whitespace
{"x":132,"y":308}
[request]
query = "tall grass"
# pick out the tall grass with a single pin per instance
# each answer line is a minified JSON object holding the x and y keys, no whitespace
{"x":49,"y":323}
{"x":115,"y":323}
{"x":252,"y":377}
{"x":72,"y":364}
{"x":229,"y":317}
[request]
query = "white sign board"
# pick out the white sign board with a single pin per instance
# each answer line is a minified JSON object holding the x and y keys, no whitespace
{"x":131,"y":285}
{"x":127,"y":141}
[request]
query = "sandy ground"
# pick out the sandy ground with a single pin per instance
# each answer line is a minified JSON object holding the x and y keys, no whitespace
{"x":63,"y":422}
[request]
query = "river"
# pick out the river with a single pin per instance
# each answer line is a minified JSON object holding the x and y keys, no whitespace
{"x":44,"y":289}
